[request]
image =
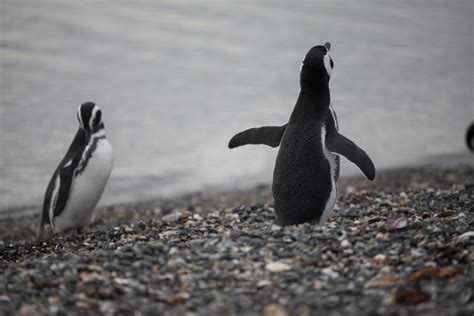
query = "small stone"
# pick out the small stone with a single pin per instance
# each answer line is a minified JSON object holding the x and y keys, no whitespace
{"x":189,"y":223}
{"x":277,"y":267}
{"x":27,"y":309}
{"x":330,"y":273}
{"x":225,"y":245}
{"x":345,"y":243}
{"x":417,"y":252}
{"x":387,"y":280}
{"x":274,"y":310}
{"x":175,"y":216}
{"x":398,"y":224}
{"x":107,"y":307}
{"x":386,"y":269}
{"x":379,"y":259}
{"x":198,"y":218}
{"x":466,"y":235}
{"x":245,"y":249}
{"x":264,"y":283}
{"x":350,"y":189}
{"x":318,"y":285}
{"x":460,"y":216}
{"x":275,"y":228}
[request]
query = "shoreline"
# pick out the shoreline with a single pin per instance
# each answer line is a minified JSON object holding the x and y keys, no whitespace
{"x":439,"y":161}
{"x":388,"y":179}
{"x":435,"y":162}
{"x":402,"y":244}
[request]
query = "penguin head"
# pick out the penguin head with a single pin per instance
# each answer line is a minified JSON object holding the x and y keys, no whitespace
{"x":89,"y":116}
{"x":317,"y":65}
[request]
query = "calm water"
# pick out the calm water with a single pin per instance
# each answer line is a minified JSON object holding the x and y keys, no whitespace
{"x":176,"y":79}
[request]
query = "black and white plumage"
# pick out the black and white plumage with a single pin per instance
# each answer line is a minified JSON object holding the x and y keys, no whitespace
{"x":307,"y":166}
{"x":80,"y":178}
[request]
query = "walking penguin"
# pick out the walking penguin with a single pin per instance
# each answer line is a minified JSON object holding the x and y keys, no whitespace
{"x":307,"y":166}
{"x":78,"y":182}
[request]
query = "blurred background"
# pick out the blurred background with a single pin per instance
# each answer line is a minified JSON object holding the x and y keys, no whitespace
{"x":176,"y":79}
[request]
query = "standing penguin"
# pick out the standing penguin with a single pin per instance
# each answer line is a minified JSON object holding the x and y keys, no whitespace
{"x":307,"y":166}
{"x":79,"y":180}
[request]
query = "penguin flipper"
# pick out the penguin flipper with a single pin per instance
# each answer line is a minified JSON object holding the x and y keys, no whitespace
{"x":66,"y":170}
{"x":339,"y":144}
{"x":73,"y":154}
{"x":266,"y":135}
{"x":470,"y":137}
{"x":66,"y":178}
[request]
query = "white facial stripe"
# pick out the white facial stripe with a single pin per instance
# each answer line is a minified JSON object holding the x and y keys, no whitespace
{"x":301,"y":66}
{"x":91,"y":120}
{"x":327,"y":64}
{"x":79,"y":116}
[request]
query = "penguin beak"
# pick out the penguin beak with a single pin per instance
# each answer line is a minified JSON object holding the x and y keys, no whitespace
{"x":328,"y":46}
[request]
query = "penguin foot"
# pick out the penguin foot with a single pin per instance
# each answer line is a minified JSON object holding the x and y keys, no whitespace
{"x":83,"y":230}
{"x":44,"y":232}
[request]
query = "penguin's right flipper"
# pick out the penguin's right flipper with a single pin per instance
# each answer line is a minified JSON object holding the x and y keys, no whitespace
{"x":339,"y":144}
{"x":266,"y":135}
{"x":66,"y":177}
{"x":52,"y":194}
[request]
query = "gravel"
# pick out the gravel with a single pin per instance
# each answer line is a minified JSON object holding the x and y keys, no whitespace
{"x":403,"y":245}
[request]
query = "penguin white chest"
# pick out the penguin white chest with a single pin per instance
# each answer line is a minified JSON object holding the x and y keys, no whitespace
{"x":87,"y":187}
{"x":331,"y":158}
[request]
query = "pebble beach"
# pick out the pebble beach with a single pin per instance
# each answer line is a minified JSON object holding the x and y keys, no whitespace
{"x":401,"y":245}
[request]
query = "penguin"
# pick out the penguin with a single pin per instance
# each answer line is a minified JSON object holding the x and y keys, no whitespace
{"x":80,"y":178}
{"x":307,"y":165}
{"x":470,"y":137}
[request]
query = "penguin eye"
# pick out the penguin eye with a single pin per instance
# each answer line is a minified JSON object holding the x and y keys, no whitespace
{"x":331,"y":62}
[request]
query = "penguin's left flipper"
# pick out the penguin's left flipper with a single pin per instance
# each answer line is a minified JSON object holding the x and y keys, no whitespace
{"x":266,"y":135}
{"x":339,"y":144}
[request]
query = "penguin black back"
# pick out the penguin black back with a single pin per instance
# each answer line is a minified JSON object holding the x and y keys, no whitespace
{"x":307,"y":165}
{"x":302,"y":183}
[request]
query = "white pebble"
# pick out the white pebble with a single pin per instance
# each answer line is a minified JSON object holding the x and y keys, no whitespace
{"x":330,"y":273}
{"x":345,"y":243}
{"x":277,"y":267}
